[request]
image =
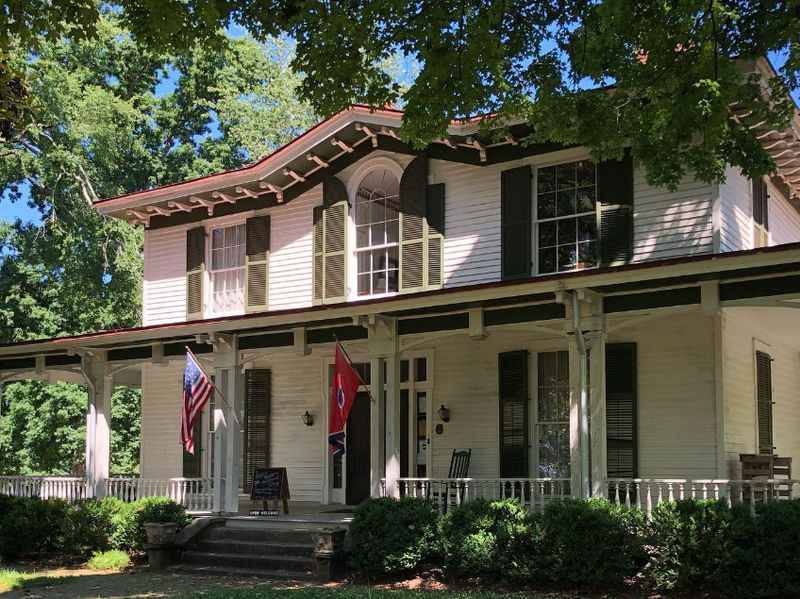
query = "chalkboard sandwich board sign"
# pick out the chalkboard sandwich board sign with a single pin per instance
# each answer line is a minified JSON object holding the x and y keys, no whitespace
{"x":270,"y":485}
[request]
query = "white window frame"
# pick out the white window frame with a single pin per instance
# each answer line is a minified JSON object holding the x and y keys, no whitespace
{"x":536,"y":220}
{"x":354,"y":182}
{"x":208,"y":299}
{"x":413,"y":386}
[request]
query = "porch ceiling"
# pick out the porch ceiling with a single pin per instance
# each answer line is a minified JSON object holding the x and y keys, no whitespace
{"x":769,"y":276}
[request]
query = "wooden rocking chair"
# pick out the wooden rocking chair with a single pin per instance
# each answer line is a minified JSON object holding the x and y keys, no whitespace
{"x":459,"y":468}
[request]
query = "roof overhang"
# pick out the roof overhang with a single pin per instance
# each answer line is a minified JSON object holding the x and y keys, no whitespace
{"x":325,"y":149}
{"x":741,"y":278}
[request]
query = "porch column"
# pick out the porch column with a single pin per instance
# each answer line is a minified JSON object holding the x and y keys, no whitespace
{"x":384,"y":343}
{"x":378,"y":431}
{"x":227,"y":419}
{"x":100,"y":385}
{"x":597,"y":411}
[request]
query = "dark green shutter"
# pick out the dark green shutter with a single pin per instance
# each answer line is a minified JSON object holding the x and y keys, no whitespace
{"x":330,"y":234}
{"x":413,"y":209}
{"x":195,"y":266}
{"x":621,"y":411}
{"x":515,"y":222}
{"x":435,"y":203}
{"x":513,"y":375}
{"x":258,"y":397}
{"x":764,"y":402}
{"x":761,"y":203}
{"x":257,"y":249}
{"x":615,"y":210}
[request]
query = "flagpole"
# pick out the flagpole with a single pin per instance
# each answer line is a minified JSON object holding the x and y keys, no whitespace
{"x":213,"y":384}
{"x":350,"y":361}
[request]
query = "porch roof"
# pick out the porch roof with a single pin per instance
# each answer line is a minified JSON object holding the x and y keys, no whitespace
{"x":737,"y":278}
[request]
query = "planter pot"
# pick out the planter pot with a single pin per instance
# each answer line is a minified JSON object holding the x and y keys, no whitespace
{"x":160,"y":533}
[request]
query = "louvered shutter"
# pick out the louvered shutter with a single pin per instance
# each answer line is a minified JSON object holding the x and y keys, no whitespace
{"x":434,"y":210}
{"x":258,"y":397}
{"x":513,"y":376}
{"x":621,"y":411}
{"x":615,"y":210}
{"x":257,"y":249}
{"x":330,"y":243}
{"x":761,"y":203}
{"x":764,"y":402}
{"x":195,"y":266}
{"x":515,"y":222}
{"x":413,"y":206}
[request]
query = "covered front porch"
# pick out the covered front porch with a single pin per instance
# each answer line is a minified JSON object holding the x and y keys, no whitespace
{"x":638,"y":384}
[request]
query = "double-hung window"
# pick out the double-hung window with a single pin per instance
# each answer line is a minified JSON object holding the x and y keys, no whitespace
{"x":227,"y":270}
{"x":552,"y":415}
{"x":377,"y":232}
{"x":566,"y":229}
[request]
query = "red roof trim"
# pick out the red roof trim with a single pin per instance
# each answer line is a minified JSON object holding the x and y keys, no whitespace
{"x":438,"y":292}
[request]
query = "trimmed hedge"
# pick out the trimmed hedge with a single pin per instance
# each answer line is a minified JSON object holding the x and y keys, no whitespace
{"x":688,"y":545}
{"x":391,"y":537}
{"x":31,"y":526}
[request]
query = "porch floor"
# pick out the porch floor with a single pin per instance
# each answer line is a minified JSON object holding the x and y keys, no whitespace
{"x":300,"y":512}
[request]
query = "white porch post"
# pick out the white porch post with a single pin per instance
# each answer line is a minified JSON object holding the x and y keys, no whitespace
{"x":227,"y":419}
{"x":378,"y":433}
{"x":597,"y":412}
{"x":384,"y":343}
{"x":100,"y":385}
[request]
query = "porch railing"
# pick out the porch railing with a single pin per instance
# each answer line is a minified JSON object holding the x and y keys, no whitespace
{"x":647,"y":493}
{"x":195,"y":494}
{"x":533,"y":493}
{"x":68,"y":488}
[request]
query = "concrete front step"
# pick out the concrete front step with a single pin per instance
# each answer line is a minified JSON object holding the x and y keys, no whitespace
{"x":260,"y":535}
{"x":269,"y":564}
{"x":234,"y":545}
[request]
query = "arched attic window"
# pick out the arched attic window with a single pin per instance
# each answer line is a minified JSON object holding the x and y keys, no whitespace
{"x":377,"y":220}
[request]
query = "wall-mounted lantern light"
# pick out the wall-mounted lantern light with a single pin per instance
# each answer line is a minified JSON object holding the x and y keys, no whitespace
{"x":444,"y":413}
{"x":307,"y":418}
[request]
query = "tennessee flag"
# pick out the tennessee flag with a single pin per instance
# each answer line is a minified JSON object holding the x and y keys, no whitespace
{"x":343,"y":392}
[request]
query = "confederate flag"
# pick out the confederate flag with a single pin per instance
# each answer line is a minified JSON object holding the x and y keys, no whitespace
{"x":343,"y":392}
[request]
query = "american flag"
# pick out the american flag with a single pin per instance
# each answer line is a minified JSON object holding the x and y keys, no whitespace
{"x":197,"y":388}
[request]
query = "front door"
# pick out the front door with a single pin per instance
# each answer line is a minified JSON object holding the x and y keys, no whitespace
{"x":358,"y":450}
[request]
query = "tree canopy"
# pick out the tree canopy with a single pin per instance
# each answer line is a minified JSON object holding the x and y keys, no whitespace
{"x":113,"y":116}
{"x":674,"y":66}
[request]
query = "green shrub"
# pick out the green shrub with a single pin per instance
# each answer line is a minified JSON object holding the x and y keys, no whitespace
{"x":90,"y":524}
{"x":483,"y":538}
{"x":763,"y":553}
{"x":128,"y":522}
{"x":109,"y":560}
{"x":391,"y":537}
{"x":588,"y":543}
{"x":29,"y":525}
{"x":688,"y":542}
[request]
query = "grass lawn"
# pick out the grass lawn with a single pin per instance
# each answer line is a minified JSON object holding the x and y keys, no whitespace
{"x":11,"y":580}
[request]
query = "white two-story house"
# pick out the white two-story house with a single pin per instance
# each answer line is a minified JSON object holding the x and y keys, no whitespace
{"x":578,"y":330}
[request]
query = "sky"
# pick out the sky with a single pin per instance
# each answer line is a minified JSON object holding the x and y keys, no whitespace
{"x":10,"y":211}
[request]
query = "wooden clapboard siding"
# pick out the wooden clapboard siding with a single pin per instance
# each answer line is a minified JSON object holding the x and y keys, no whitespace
{"x":161,"y":455}
{"x":668,"y":224}
{"x":736,"y":212}
{"x":773,"y":330}
{"x":784,"y":220}
{"x":164,"y":285}
{"x":676,"y":421}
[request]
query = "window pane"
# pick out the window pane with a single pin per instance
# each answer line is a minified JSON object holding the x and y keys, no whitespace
{"x":362,"y":213}
{"x":565,"y":176}
{"x":586,"y":199}
{"x":363,"y":284}
{"x":421,"y":369}
{"x":362,"y":236}
{"x":379,"y":260}
{"x":392,"y":208}
{"x":566,"y":231}
{"x":587,"y":254}
{"x":378,"y":234}
{"x":377,"y":211}
{"x":553,"y":451}
{"x":546,"y":204}
{"x":364,"y":262}
{"x":393,"y":280}
{"x":392,"y":228}
{"x":379,"y":282}
{"x":587,"y":228}
{"x":585,"y":173}
{"x":546,"y":179}
{"x":567,"y":257}
{"x":216,"y":238}
{"x":565,"y":204}
{"x":403,"y":371}
{"x":547,"y":234}
{"x":394,"y":262}
{"x":547,"y":260}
